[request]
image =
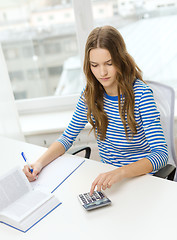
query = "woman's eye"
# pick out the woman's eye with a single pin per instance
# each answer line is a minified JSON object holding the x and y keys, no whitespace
{"x":109,"y":64}
{"x":94,"y":65}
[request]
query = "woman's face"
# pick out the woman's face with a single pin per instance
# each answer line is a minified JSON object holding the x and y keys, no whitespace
{"x":103,"y":69}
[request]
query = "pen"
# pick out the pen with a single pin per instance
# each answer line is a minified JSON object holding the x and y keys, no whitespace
{"x":24,"y":157}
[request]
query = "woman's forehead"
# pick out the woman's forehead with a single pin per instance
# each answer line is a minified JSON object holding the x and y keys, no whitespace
{"x":99,"y":55}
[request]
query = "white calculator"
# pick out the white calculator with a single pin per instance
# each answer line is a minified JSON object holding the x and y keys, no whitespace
{"x":98,"y":199}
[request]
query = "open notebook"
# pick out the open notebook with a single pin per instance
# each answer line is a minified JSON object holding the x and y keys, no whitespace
{"x":23,"y":204}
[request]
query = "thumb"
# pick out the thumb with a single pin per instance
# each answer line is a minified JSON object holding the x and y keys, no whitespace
{"x":35,"y":172}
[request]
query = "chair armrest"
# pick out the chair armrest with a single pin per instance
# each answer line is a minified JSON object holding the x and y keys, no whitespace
{"x":80,"y":149}
{"x":166,"y":172}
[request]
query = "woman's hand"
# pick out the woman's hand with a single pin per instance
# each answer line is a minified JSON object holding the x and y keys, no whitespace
{"x":106,"y":180}
{"x":37,"y":167}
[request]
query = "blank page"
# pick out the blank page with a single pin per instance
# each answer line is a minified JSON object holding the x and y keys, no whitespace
{"x":57,"y":171}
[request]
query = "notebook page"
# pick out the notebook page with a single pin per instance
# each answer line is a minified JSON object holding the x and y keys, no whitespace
{"x":57,"y":172}
{"x":13,"y":185}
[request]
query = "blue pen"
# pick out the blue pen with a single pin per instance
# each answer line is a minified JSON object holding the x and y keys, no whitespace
{"x":24,"y":157}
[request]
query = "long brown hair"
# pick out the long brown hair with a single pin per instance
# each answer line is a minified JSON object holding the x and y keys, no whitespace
{"x":109,"y":38}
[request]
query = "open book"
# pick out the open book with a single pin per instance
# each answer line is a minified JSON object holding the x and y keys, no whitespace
{"x":22,"y":206}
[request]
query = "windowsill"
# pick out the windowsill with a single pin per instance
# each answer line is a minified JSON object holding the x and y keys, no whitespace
{"x":44,"y":123}
{"x":50,"y":122}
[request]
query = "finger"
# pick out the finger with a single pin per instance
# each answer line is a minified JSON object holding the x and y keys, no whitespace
{"x":100,"y":184}
{"x":92,"y":188}
{"x":27,"y":172}
{"x":35,"y":176}
{"x":99,"y":187}
{"x":94,"y":185}
{"x":105,"y":183}
{"x":31,"y":176}
{"x":35,"y":173}
{"x":110,"y":183}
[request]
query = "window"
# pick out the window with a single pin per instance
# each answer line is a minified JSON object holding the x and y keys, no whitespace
{"x":32,"y":74}
{"x":55,"y":71}
{"x":16,"y":76}
{"x":52,"y":48}
{"x":27,"y":51}
{"x":37,"y":38}
{"x":40,"y":53}
{"x":11,"y":52}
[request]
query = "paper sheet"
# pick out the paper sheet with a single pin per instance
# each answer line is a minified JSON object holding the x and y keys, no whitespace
{"x":54,"y":174}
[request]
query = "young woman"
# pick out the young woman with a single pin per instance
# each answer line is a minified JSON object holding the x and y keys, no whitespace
{"x":121,"y":109}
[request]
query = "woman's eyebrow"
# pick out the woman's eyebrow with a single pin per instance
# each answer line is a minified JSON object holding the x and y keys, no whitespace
{"x":97,"y":63}
{"x":109,"y":60}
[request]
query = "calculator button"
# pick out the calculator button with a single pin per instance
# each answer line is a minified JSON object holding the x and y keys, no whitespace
{"x":93,"y":198}
{"x":89,"y":199}
{"x":101,"y":194}
{"x":97,"y":196}
{"x":82,"y":197}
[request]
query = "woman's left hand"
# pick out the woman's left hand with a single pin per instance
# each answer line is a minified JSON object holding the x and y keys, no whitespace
{"x":106,"y":180}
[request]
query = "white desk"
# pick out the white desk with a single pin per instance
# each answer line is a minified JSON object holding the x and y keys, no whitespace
{"x":142,"y":208}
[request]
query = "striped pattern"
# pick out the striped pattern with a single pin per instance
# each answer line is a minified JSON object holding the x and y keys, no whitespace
{"x":149,"y":142}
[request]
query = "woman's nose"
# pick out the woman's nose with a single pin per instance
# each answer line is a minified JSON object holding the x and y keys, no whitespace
{"x":103,"y":71}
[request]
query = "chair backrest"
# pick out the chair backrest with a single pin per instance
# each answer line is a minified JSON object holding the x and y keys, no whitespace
{"x":165,"y":99}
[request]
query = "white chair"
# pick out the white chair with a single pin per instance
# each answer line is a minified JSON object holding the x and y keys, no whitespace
{"x":165,"y":99}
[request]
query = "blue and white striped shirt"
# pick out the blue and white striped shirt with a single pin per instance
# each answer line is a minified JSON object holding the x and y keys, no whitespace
{"x":149,"y":142}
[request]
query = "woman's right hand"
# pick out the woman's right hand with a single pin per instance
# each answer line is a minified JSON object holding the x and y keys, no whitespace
{"x":37,"y":167}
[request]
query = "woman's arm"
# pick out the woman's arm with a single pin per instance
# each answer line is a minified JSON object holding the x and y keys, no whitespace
{"x":150,"y":117}
{"x":58,"y":148}
{"x":106,"y":180}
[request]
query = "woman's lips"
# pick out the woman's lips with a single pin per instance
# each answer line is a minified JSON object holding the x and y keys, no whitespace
{"x":104,"y":79}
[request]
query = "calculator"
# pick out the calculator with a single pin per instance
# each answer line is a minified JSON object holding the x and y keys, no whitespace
{"x":98,"y":199}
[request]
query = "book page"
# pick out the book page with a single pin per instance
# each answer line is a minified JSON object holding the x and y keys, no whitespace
{"x":26,"y":205}
{"x":57,"y":172}
{"x":39,"y":213}
{"x":13,"y":186}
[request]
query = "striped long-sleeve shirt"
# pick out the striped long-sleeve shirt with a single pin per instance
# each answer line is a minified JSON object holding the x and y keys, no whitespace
{"x":149,"y":142}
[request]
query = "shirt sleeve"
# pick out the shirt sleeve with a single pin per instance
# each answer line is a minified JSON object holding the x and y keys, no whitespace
{"x":77,"y":123}
{"x":153,"y":130}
